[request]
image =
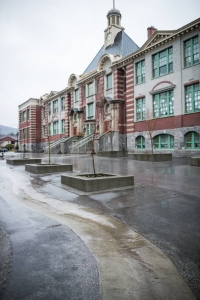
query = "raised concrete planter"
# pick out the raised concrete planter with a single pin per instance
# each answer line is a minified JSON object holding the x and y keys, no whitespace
{"x":112,"y":153}
{"x":195,"y":161}
{"x":152,"y":157}
{"x":23,"y":161}
{"x":93,"y":184}
{"x":45,"y":168}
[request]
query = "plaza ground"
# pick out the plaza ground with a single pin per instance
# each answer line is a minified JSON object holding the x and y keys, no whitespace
{"x":122,"y":244}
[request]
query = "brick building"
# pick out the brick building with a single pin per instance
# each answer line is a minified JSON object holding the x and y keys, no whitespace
{"x":159,"y":81}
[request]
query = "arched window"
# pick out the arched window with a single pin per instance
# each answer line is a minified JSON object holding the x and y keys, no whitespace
{"x":140,"y":142}
{"x":192,"y":140}
{"x":163,"y":141}
{"x":107,"y":108}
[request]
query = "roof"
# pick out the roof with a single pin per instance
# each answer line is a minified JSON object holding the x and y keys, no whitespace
{"x":114,"y":11}
{"x":122,"y":46}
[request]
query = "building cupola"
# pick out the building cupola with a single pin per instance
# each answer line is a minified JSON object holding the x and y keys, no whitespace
{"x":114,"y":26}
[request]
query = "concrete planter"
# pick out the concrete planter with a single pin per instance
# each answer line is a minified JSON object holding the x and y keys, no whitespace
{"x":93,"y":184}
{"x":23,"y":161}
{"x":195,"y":161}
{"x":156,"y":157}
{"x":45,"y":168}
{"x":112,"y":153}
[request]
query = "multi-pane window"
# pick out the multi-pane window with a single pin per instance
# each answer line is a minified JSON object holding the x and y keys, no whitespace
{"x":28,"y":132}
{"x":84,"y":112}
{"x":90,"y":129}
{"x":44,"y":131}
{"x":140,"y":72}
{"x":163,"y":62}
{"x":24,"y":116}
{"x":49,"y":108}
{"x":62,"y":103}
{"x":55,"y":106}
{"x":21,"y":117}
{"x":140,"y":142}
{"x":55,"y":127}
{"x":76,"y":96}
{"x":98,"y":86}
{"x":191,"y":52}
{"x":192,"y":140}
{"x":43,"y":112}
{"x":109,"y":81}
{"x":75,"y":117}
{"x":28,"y":114}
{"x":163,"y":104}
{"x":90,"y":110}
{"x":163,"y":141}
{"x":90,"y":89}
{"x":140,"y":109}
{"x":24,"y":133}
{"x":63,"y":126}
{"x":49,"y":129}
{"x":192,"y":98}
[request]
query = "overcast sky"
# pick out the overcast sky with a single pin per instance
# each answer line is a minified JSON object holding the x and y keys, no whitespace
{"x":42,"y":42}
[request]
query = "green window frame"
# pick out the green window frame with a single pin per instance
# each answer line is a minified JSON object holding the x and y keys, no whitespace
{"x":162,"y":62}
{"x":163,"y":141}
{"x":76,"y":95}
{"x":62,"y":103}
{"x":140,"y":72}
{"x":163,"y":104}
{"x":140,"y":142}
{"x":49,"y":108}
{"x":55,"y":127}
{"x":109,"y":81}
{"x":192,"y":98}
{"x":90,"y":89}
{"x":140,"y":109}
{"x":90,"y":110}
{"x":192,"y":140}
{"x":63,"y":126}
{"x":55,"y":106}
{"x":44,"y":131}
{"x":28,"y":114}
{"x":191,"y":52}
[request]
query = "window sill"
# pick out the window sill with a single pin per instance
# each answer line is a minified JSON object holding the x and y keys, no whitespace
{"x":191,"y":66}
{"x":162,"y":75}
{"x":109,"y":89}
{"x":193,"y":112}
{"x":140,"y":83}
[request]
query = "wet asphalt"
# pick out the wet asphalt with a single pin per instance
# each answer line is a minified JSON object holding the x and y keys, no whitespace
{"x":163,"y":207}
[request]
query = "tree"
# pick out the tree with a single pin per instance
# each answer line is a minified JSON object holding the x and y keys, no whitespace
{"x":99,"y":118}
{"x":48,"y":135}
{"x":151,"y":124}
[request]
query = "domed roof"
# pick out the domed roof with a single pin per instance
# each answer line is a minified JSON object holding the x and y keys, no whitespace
{"x":114,"y":11}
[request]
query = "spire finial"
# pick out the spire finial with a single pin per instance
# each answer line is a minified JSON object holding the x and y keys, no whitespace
{"x":113,"y":4}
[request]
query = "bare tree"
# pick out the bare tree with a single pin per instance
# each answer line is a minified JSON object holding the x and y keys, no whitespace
{"x":99,"y":108}
{"x":151,"y":124}
{"x":48,"y":135}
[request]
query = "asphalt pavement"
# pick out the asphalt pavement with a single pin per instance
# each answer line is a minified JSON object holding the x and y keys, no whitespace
{"x":163,"y":208}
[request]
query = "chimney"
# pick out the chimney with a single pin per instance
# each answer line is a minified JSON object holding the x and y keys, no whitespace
{"x":150,"y":31}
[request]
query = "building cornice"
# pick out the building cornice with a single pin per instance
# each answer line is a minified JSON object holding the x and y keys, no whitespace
{"x":90,"y":77}
{"x":142,"y":51}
